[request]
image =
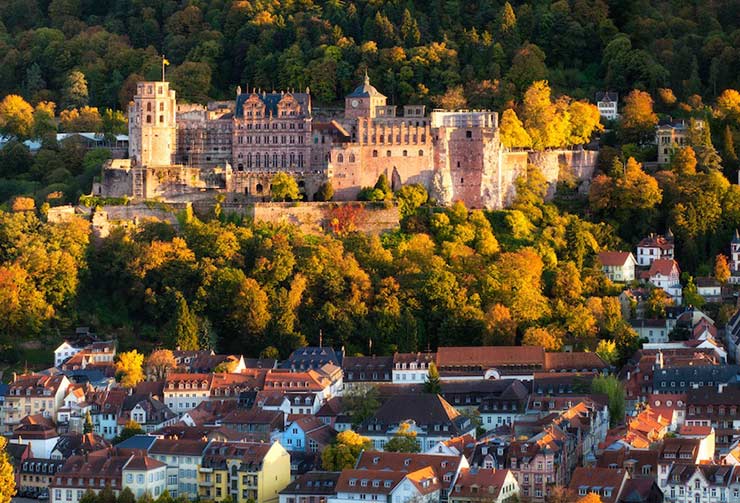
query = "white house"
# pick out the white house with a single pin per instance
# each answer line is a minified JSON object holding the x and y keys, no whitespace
{"x":655,"y":247}
{"x":409,"y":368}
{"x":182,"y":457}
{"x":420,"y":486}
{"x":607,"y":103}
{"x":485,"y":485}
{"x":654,"y":331}
{"x":63,"y":352}
{"x":618,"y":266}
{"x":665,"y":274}
{"x":709,"y":288}
{"x":143,"y":474}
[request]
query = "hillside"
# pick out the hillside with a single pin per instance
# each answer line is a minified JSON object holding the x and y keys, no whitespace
{"x":414,"y":50}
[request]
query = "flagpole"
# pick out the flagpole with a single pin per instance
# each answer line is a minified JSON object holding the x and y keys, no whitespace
{"x":163,"y":67}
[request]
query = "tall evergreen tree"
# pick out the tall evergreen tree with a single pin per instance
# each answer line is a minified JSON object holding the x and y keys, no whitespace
{"x":184,"y":326}
{"x":432,"y":384}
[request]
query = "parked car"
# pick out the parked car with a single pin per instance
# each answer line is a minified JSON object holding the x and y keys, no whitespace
{"x":43,"y":495}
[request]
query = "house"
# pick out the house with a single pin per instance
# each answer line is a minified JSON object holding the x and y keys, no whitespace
{"x":76,"y":444}
{"x":63,"y":352}
{"x":111,"y":467}
{"x":420,"y":486}
{"x":464,"y":445}
{"x":638,"y":463}
{"x":17,"y":454}
{"x":446,"y":468}
{"x":642,"y":490}
{"x":705,"y":483}
{"x":33,"y":394}
{"x":307,"y":434}
{"x":575,"y":361}
{"x":541,"y":462}
{"x":182,"y":457}
{"x":106,"y":410}
{"x":485,"y":485}
{"x":653,"y":331}
{"x":665,"y":274}
{"x":607,"y":103}
{"x":608,"y":483}
{"x":36,"y":474}
{"x":671,"y":406}
{"x":204,"y":363}
{"x":718,"y":406}
{"x":497,"y":401}
{"x":41,"y":435}
{"x":367,"y":370}
{"x":262,"y":423}
{"x":98,"y":353}
{"x":687,"y":379}
{"x":430,"y":416}
{"x":655,"y":247}
{"x":244,"y":471}
{"x":411,"y":367}
{"x":709,"y":288}
{"x":184,"y":392}
{"x":618,"y":266}
{"x":671,"y":135}
{"x":487,"y":362}
{"x":681,"y":451}
{"x":151,"y":414}
{"x":313,"y":358}
{"x":311,"y":487}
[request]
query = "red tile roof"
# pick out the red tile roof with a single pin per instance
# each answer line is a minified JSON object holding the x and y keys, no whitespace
{"x":664,"y":267}
{"x":614,"y":258}
{"x":489,"y":356}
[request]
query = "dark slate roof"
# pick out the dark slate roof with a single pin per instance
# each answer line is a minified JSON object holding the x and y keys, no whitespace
{"x":425,"y":409}
{"x":607,"y":96}
{"x":694,"y":374}
{"x":312,"y":358}
{"x":365,"y":90}
{"x":712,"y":396}
{"x":144,"y":442}
{"x":314,"y":483}
{"x":271,"y":101}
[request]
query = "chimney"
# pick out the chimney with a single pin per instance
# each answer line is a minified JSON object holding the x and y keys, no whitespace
{"x":721,"y":387}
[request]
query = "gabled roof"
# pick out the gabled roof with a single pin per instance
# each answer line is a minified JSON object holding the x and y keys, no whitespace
{"x":479,"y":484}
{"x":365,"y":90}
{"x":663,"y":266}
{"x":599,"y":480}
{"x":422,"y":408}
{"x":615,"y":258}
{"x":489,"y":356}
{"x":369,"y":481}
{"x":314,"y":483}
{"x":178,"y":447}
{"x":402,"y":462}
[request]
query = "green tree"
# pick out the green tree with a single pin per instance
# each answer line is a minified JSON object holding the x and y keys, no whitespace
{"x":360,"y":403}
{"x":325,"y":192}
{"x":183,"y":326}
{"x":75,"y":90}
{"x":344,"y":451}
{"x":404,"y":440}
{"x":610,"y":386}
{"x":283,"y":187}
{"x":410,"y":198}
{"x":432,"y":383}
{"x":126,"y":496}
{"x":607,"y":351}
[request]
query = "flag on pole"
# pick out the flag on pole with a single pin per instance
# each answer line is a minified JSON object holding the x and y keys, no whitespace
{"x":165,"y":61}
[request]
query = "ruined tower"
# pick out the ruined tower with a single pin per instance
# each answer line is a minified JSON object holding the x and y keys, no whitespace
{"x":152,"y":126}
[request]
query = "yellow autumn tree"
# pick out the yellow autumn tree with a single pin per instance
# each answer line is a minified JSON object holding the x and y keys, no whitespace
{"x":547,"y":123}
{"x":728,"y":105}
{"x":83,"y":120}
{"x":160,"y":362}
{"x":550,"y":340}
{"x":130,"y":368}
{"x":7,"y":478}
{"x":590,"y":498}
{"x":512,"y":132}
{"x":585,"y":120}
{"x":721,"y":269}
{"x":16,"y":116}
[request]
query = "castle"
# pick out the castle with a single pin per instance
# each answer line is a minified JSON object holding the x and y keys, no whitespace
{"x":178,"y":152}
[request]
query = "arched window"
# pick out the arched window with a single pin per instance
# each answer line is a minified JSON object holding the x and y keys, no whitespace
{"x":267,"y":160}
{"x":240,"y":167}
{"x":161,"y":106}
{"x":148,"y":107}
{"x":340,"y":158}
{"x":405,"y":153}
{"x":283,"y":160}
{"x":351,"y":157}
{"x":148,"y":119}
{"x":387,"y":153}
{"x":249,"y":160}
{"x":375,"y":153}
{"x":161,"y":119}
{"x":258,"y":188}
{"x":274,"y":160}
{"x":421,"y":153}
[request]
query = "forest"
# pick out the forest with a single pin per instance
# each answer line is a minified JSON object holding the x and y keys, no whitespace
{"x":414,"y":50}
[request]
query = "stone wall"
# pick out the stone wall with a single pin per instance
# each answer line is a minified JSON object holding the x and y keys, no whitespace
{"x":316,"y":218}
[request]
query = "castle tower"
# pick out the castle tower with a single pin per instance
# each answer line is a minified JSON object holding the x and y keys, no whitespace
{"x":363,"y":101}
{"x":151,"y":124}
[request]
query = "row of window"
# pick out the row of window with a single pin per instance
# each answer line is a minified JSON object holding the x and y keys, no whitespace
{"x":283,"y":125}
{"x":283,"y":161}
{"x":257,"y":140}
{"x":388,"y":153}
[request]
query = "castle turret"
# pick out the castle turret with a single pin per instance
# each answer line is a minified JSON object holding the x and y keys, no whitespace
{"x":151,"y":125}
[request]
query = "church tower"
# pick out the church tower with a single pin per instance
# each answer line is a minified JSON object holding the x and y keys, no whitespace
{"x":735,"y":252}
{"x":363,"y":101}
{"x":151,"y":125}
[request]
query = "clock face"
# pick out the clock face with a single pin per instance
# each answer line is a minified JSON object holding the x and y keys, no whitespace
{"x":355,"y":103}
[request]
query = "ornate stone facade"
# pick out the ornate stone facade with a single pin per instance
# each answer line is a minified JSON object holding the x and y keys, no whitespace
{"x":238,"y":146}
